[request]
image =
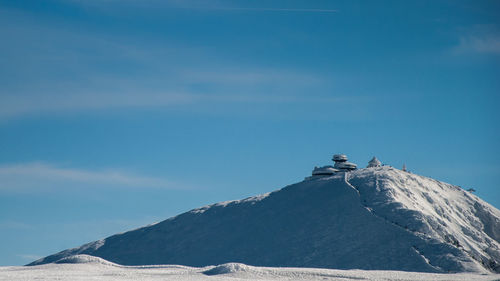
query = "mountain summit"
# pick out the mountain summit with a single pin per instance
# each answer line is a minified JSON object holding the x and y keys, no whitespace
{"x":373,"y":218}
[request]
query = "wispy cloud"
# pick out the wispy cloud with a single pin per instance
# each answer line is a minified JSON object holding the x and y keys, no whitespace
{"x":198,"y":88}
{"x":481,"y":39}
{"x":14,"y":225}
{"x":42,"y":176}
{"x":13,"y":106}
{"x":194,"y":81}
{"x":159,"y":75}
{"x":29,"y":257}
{"x":477,"y":44}
{"x":17,"y":105}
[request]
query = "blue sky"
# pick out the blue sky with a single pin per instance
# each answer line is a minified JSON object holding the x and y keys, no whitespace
{"x":117,"y":114}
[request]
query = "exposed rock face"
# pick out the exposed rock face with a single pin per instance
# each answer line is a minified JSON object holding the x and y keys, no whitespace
{"x":376,"y":218}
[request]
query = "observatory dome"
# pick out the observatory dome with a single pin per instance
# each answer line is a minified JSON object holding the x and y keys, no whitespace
{"x":374,"y":163}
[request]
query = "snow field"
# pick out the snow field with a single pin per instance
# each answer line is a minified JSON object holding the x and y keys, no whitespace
{"x":84,"y":267}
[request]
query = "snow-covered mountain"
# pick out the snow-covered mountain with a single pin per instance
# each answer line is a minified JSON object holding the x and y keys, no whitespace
{"x":375,"y":218}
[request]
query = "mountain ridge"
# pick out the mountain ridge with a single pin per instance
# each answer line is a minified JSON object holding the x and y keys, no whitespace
{"x":373,"y":218}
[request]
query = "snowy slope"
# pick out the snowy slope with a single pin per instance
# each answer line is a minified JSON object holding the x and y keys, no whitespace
{"x":376,"y":218}
{"x":82,"y":267}
{"x":432,"y":210}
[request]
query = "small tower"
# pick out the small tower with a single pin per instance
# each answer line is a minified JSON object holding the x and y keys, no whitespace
{"x":374,"y":163}
{"x":404,"y":168}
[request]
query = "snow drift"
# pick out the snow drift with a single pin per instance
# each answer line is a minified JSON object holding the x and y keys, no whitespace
{"x":376,"y":218}
{"x":84,"y":259}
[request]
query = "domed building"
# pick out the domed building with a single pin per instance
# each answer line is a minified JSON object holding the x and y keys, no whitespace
{"x":342,"y":164}
{"x":374,"y":163}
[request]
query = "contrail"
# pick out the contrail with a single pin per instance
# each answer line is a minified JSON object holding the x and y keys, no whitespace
{"x":278,"y":10}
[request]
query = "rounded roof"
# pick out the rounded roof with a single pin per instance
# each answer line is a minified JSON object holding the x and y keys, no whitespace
{"x":326,"y":170}
{"x":339,"y":157}
{"x":345,"y":165}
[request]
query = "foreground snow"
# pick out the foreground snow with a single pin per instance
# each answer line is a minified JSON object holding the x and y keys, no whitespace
{"x":83,"y":267}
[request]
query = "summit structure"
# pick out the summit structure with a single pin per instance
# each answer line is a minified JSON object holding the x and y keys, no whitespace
{"x":374,"y":163}
{"x":341,"y":165}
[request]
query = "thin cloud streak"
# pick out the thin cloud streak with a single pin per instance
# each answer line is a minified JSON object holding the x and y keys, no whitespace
{"x":250,"y":76}
{"x":18,"y":105}
{"x":13,"y":106}
{"x":29,"y":257}
{"x":14,"y":225}
{"x":275,"y":10}
{"x":42,"y":176}
{"x":194,"y":5}
{"x":201,"y":92}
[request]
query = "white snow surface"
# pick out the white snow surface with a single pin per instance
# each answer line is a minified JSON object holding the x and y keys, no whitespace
{"x":84,"y":267}
{"x":443,"y":211}
{"x":378,"y":218}
{"x":252,"y":200}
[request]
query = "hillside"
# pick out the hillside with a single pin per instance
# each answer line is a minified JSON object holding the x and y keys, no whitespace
{"x":376,"y":218}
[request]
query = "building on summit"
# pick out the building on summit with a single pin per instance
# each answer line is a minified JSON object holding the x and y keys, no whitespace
{"x":341,"y":165}
{"x":324,"y":171}
{"x":374,"y":163}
